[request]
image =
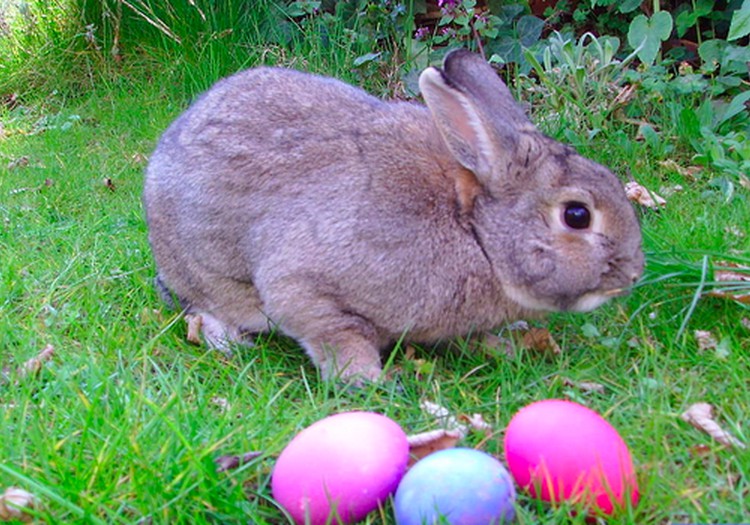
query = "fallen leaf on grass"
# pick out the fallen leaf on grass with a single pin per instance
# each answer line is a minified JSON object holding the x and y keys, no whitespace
{"x":453,"y":430}
{"x":494,"y":345}
{"x":15,"y":504}
{"x":422,"y":367}
{"x":194,"y":328}
{"x":639,"y":194}
{"x":731,"y":272}
{"x":139,"y":158}
{"x":667,"y":191}
{"x":701,"y":416}
{"x":20,"y":162}
{"x":46,"y":184}
{"x":34,"y":365}
{"x":689,"y":172}
{"x":540,"y":340}
{"x":425,"y":443}
{"x":537,"y":340}
{"x":109,"y":184}
{"x":476,"y":422}
{"x":706,"y":340}
{"x":699,"y":450}
{"x":625,"y":95}
{"x":737,"y":274}
{"x":444,"y":418}
{"x":584,"y":386}
{"x":744,"y":182}
{"x":221,"y":402}
{"x":224,"y":463}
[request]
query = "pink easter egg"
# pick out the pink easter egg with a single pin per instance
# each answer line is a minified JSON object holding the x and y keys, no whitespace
{"x":343,"y":465}
{"x":562,"y":451}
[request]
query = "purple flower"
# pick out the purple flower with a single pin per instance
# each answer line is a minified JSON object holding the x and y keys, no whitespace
{"x":421,"y":33}
{"x":448,"y":7}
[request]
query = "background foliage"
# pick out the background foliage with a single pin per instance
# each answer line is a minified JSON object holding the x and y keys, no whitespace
{"x":124,"y":424}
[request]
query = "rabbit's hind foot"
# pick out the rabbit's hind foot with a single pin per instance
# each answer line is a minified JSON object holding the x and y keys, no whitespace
{"x":219,"y":335}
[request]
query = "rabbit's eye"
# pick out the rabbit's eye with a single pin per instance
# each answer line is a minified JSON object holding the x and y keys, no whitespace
{"x":577,"y":216}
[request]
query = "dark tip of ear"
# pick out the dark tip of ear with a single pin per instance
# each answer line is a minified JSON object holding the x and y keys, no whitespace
{"x":455,"y":56}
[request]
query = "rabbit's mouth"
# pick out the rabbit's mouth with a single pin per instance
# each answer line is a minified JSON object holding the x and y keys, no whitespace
{"x":593,"y":300}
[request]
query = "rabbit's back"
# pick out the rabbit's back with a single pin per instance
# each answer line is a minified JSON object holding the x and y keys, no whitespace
{"x":275,"y":175}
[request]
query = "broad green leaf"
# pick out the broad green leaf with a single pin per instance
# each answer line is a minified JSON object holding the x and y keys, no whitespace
{"x":626,"y":6}
{"x":684,"y":21}
{"x":647,"y":34}
{"x":740,"y":25}
{"x":712,"y":50}
{"x":704,"y":7}
{"x":736,"y":106}
{"x":529,"y":30}
{"x":369,"y":57}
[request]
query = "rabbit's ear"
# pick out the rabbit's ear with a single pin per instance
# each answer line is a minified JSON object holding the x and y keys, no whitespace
{"x":474,"y":111}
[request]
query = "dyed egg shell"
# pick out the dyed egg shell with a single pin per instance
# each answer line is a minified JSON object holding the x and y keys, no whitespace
{"x":562,"y":451}
{"x":461,"y":486}
{"x":343,"y":465}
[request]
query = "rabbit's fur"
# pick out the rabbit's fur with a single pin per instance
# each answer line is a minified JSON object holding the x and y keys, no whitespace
{"x":286,"y":200}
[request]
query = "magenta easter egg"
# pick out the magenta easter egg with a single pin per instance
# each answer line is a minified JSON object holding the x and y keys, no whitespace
{"x":562,"y":451}
{"x":342,"y":466}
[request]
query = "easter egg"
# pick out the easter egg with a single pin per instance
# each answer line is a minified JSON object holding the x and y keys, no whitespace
{"x":458,"y":486}
{"x":342,"y":466}
{"x":561,"y":451}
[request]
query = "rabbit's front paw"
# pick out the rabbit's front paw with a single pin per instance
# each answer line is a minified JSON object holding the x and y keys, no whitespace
{"x":347,"y":357}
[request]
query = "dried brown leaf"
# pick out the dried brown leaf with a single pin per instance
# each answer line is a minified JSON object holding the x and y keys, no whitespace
{"x":476,"y":422}
{"x":443,"y":415}
{"x":194,"y":328}
{"x":689,"y":172}
{"x":731,"y":272}
{"x":224,"y":463}
{"x":540,"y":340}
{"x":735,"y":231}
{"x":20,"y":162}
{"x":15,"y":504}
{"x":585,"y":386}
{"x":699,"y":450}
{"x":728,"y":272}
{"x":425,"y":443}
{"x":639,"y":194}
{"x":494,"y":345}
{"x":744,"y":182}
{"x":706,"y":340}
{"x":743,"y":298}
{"x":667,"y":191}
{"x":34,"y":365}
{"x":410,"y":353}
{"x":701,"y":416}
{"x":221,"y":402}
{"x":625,"y":95}
{"x":139,"y":158}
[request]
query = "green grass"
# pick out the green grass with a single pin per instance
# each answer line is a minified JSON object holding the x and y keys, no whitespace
{"x":124,"y":424}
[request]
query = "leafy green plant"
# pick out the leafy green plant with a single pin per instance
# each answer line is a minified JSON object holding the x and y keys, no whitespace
{"x":646,"y":35}
{"x":500,"y":31}
{"x":578,"y":78}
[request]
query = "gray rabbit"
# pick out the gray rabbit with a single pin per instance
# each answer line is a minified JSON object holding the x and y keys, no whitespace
{"x":285,"y":200}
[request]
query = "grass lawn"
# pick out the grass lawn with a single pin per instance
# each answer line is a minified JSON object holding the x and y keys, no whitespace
{"x":124,"y":423}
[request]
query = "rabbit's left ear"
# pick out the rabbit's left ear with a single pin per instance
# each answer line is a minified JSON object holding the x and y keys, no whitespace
{"x":475,"y":113}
